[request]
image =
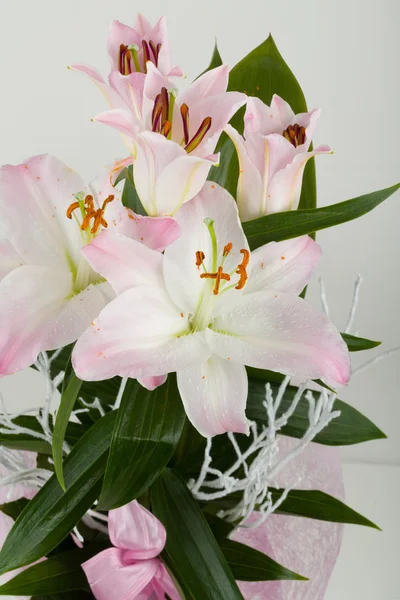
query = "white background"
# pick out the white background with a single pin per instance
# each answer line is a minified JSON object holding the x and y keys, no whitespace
{"x":346,"y":56}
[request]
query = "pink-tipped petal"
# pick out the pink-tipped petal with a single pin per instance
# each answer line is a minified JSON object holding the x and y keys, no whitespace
{"x":283,"y":333}
{"x":214,"y":395}
{"x":134,"y":528}
{"x":151,"y":383}
{"x":284,"y":266}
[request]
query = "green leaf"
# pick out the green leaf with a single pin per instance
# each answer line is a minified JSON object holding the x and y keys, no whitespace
{"x":286,"y":225}
{"x":67,"y":403}
{"x":320,"y":506}
{"x":15,"y":508}
{"x":248,"y":564}
{"x":351,"y":427}
{"x":263,"y":73}
{"x":216,"y":60}
{"x":52,"y":513}
{"x":191,"y":550}
{"x":130,"y":196}
{"x":146,"y":434}
{"x":355,"y":344}
{"x":26,"y":441}
{"x":61,"y":573}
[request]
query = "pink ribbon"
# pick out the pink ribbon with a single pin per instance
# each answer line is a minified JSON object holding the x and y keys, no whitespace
{"x":131,"y":570}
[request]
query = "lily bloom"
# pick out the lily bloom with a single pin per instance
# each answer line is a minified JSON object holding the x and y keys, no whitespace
{"x":49,"y":293}
{"x":131,"y":570}
{"x":130,"y":49}
{"x":272,"y":156}
{"x":171,"y":137}
{"x":207,"y":307}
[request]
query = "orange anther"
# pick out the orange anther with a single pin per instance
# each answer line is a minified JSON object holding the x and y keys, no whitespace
{"x":200,"y":256}
{"x":227,"y":249}
{"x":71,"y":209}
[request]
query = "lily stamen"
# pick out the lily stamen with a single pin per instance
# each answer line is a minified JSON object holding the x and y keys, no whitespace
{"x":217,"y":276}
{"x":241,"y":270}
{"x":200,"y":256}
{"x":91,"y":213}
{"x":295,"y":134}
{"x":199,"y":135}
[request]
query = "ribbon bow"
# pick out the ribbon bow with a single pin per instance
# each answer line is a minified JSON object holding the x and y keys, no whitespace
{"x":131,"y":570}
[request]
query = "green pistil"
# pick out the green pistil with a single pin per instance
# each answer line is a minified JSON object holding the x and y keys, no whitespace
{"x":210,"y":226}
{"x":172,"y":98}
{"x":134,"y":51}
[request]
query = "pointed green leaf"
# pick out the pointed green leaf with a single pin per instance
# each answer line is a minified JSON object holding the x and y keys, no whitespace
{"x":355,"y":344}
{"x":67,"y":403}
{"x":286,"y":225}
{"x":130,"y":196}
{"x":351,"y":427}
{"x":320,"y":506}
{"x":216,"y":60}
{"x":248,"y":564}
{"x":52,"y":513}
{"x":146,"y":434}
{"x":61,"y":573}
{"x":192,"y":552}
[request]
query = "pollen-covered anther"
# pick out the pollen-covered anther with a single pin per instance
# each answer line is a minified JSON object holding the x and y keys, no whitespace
{"x":227,"y":249}
{"x":200,"y":256}
{"x":295,"y":134}
{"x":71,"y":209}
{"x":242,"y":269}
{"x":218,"y":276}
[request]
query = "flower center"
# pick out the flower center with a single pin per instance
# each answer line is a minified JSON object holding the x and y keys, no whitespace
{"x":217,"y":278}
{"x":162,"y":115}
{"x":295,"y":134}
{"x":191,"y":144}
{"x":129,"y":59}
{"x":92,"y":218}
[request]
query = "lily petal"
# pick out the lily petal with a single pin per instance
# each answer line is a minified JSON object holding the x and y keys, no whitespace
{"x":151,"y":383}
{"x":285,"y":188}
{"x":180,"y":181}
{"x":211,"y":83}
{"x":140,"y":334}
{"x":122,"y":120}
{"x":112,"y":96}
{"x":281,"y":332}
{"x":214,"y":395}
{"x":120,"y":34}
{"x":249,"y":190}
{"x":124,"y":262}
{"x":284,"y":266}
{"x":182,"y":276}
{"x":51,"y":315}
{"x":9,"y":258}
{"x":34,"y":197}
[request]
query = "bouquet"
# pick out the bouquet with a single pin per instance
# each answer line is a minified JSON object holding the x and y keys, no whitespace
{"x":185,"y":448}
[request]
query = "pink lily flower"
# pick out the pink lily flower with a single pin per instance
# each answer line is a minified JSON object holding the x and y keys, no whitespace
{"x":207,"y":307}
{"x":170,"y":136}
{"x":131,"y":570}
{"x":48,"y":214}
{"x":272,"y":156}
{"x":130,"y":49}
